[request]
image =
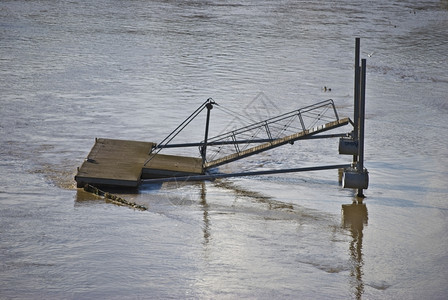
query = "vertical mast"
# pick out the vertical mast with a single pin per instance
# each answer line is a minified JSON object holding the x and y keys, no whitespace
{"x":356,"y":96}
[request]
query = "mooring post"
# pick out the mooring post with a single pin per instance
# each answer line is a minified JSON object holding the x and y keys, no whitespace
{"x":357,"y":177}
{"x":356,"y":95}
{"x":362,"y":105}
{"x":209,"y":107}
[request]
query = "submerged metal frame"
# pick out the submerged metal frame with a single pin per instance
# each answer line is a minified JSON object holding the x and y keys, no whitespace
{"x":215,"y":176}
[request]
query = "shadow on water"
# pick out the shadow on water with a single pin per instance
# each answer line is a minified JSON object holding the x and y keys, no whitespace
{"x":254,"y":196}
{"x":354,"y":217}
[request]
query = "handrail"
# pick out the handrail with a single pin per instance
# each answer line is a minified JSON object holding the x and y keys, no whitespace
{"x":276,"y":119}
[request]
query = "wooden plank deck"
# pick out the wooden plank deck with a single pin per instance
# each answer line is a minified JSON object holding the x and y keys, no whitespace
{"x":162,"y":165}
{"x":114,"y":163}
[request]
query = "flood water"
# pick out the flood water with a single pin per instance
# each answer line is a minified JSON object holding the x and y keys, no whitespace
{"x":71,"y":71}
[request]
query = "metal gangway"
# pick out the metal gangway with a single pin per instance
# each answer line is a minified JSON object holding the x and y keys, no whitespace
{"x":274,"y":132}
{"x":304,"y":123}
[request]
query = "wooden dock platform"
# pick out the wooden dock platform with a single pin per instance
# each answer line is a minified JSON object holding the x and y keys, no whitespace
{"x":114,"y":163}
{"x":162,"y":165}
{"x":120,"y":163}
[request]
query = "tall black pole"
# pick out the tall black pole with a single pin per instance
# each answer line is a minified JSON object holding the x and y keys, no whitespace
{"x":356,"y":95}
{"x":362,"y":109}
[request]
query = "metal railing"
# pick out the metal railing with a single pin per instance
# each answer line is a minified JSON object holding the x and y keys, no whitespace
{"x":315,"y":111}
{"x":271,"y":129}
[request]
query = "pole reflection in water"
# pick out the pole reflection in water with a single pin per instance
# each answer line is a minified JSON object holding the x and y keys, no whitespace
{"x":206,"y":218}
{"x":354,"y":217}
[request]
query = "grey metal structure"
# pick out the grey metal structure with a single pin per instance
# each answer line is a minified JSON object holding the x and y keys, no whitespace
{"x":357,"y":177}
{"x":305,"y":123}
{"x":268,"y":134}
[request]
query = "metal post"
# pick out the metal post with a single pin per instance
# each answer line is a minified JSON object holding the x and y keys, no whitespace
{"x":235,"y":142}
{"x":356,"y":95}
{"x":334,"y":109}
{"x":362,"y":103}
{"x":268,"y":132}
{"x":209,"y":107}
{"x":301,"y":121}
